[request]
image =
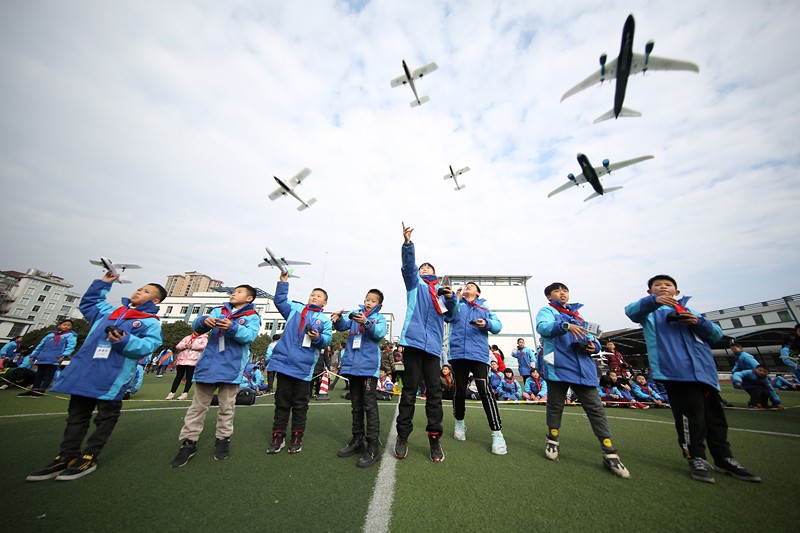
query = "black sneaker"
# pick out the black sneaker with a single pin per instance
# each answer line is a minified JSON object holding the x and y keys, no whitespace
{"x":372,"y":455}
{"x":58,"y":465}
{"x":188,"y":449}
{"x":355,"y":445}
{"x":296,"y":445}
{"x":701,"y":470}
{"x":731,"y":466}
{"x":78,"y":468}
{"x":278,"y":442}
{"x":401,"y":448}
{"x":222,"y":449}
{"x":437,"y":453}
{"x":26,"y":393}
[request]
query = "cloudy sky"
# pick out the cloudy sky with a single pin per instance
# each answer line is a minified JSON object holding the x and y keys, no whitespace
{"x":149,"y":132}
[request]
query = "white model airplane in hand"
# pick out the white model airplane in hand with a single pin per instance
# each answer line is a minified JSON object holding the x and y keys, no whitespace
{"x":409,"y":77}
{"x":454,"y":176}
{"x":591,"y":175}
{"x":114,"y":268}
{"x":272,"y":260}
{"x":285,"y":189}
{"x":627,"y":64}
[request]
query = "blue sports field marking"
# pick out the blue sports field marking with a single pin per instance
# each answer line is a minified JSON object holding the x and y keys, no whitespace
{"x":669,"y":423}
{"x":379,"y":513}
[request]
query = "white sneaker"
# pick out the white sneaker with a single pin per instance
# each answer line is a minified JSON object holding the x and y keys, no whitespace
{"x":170,"y":396}
{"x":499,"y":443}
{"x":612,"y":462}
{"x":551,"y":449}
{"x":460,"y":431}
{"x":4,"y":386}
{"x":183,"y":396}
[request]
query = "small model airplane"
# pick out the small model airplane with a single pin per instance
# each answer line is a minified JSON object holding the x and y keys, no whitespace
{"x":285,"y":189}
{"x":272,"y":260}
{"x":591,"y":175}
{"x":454,"y":175}
{"x":114,"y":268}
{"x":626,"y":64}
{"x":409,"y":77}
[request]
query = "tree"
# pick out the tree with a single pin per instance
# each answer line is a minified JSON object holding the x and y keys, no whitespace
{"x":171,"y":334}
{"x":258,"y":348}
{"x":339,"y":337}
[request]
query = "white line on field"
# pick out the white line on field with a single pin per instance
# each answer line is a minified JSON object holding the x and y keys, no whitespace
{"x":379,"y":513}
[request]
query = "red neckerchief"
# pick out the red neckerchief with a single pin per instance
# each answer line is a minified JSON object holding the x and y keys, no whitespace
{"x":680,"y":309}
{"x":57,"y":335}
{"x":123,"y":313}
{"x":303,"y":318}
{"x":567,"y":311}
{"x":475,"y":305}
{"x":434,"y":295}
{"x":227,"y":314}
{"x":538,"y":382}
{"x":361,"y":326}
{"x":448,"y":378}
{"x":646,"y":389}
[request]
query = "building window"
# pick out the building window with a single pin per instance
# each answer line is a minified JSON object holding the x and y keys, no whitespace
{"x":16,"y":330}
{"x":31,"y":318}
{"x":41,"y":298}
{"x":281,"y":325}
{"x":51,"y":306}
{"x":184,"y":309}
{"x":24,"y":301}
{"x":18,"y":311}
{"x":268,"y":325}
{"x":196,"y":310}
{"x":65,"y":309}
{"x":784,"y":316}
{"x":70,"y":299}
{"x":36,"y":308}
{"x":46,"y":316}
{"x":759,"y":320}
{"x":736,"y":322}
{"x":30,"y":290}
{"x":169,"y":310}
{"x":47,"y":288}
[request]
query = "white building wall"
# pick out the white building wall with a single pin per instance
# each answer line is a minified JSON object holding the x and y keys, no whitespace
{"x":42,"y":301}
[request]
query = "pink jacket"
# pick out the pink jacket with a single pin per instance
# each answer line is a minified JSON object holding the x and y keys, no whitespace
{"x":190,"y":348}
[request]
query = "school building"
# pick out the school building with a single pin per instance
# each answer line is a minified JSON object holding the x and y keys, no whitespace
{"x":508,"y":297}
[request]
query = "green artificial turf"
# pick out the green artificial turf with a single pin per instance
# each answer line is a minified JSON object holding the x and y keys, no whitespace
{"x":134,"y":489}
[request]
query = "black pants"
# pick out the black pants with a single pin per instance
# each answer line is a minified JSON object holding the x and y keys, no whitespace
{"x":44,"y":376}
{"x":292,"y":398}
{"x":590,"y":401}
{"x":699,"y":419}
{"x":271,"y":380}
{"x":461,"y":370}
{"x":79,"y":415}
{"x":758,"y":397}
{"x":364,"y":401}
{"x":182,"y":371}
{"x":420,"y":366}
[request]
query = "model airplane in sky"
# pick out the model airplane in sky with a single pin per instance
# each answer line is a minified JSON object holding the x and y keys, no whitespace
{"x":454,"y":174}
{"x":114,"y":268}
{"x":409,"y":77}
{"x":627,"y":64}
{"x":285,"y":189}
{"x":272,"y":260}
{"x":591,"y":175}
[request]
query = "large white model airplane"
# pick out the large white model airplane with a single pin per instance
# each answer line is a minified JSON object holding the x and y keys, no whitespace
{"x":114,"y":268}
{"x":272,"y":260}
{"x":285,"y":189}
{"x":591,"y":175}
{"x":454,"y":176}
{"x":409,"y":77}
{"x":626,"y":64}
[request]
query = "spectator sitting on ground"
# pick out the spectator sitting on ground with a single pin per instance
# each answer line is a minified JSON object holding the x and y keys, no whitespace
{"x":509,"y":389}
{"x":253,"y":379}
{"x":644,"y":393}
{"x":385,"y":385}
{"x":495,"y":377}
{"x":611,"y":394}
{"x":446,"y":378}
{"x":780,"y":382}
{"x":756,"y":383}
{"x":622,"y":386}
{"x":535,"y":388}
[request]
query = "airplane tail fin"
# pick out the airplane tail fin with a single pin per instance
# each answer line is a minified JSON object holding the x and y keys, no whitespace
{"x":422,"y":100}
{"x":306,"y":205}
{"x":624,"y":112}
{"x":605,"y":191}
{"x":459,"y":187}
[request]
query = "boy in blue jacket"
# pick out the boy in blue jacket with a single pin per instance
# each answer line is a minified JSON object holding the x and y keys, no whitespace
{"x":99,"y":373}
{"x":679,"y":349}
{"x":231,"y":329}
{"x":758,"y":385}
{"x":525,"y":359}
{"x":307,"y":331}
{"x":509,"y":389}
{"x":429,"y":306}
{"x":48,"y":355}
{"x":360,"y":365}
{"x":11,"y":350}
{"x":567,"y":363}
{"x":469,"y":352}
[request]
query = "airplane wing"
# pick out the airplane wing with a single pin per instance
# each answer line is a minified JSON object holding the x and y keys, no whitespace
{"x":267,"y":262}
{"x":125,"y":266}
{"x":611,"y":74}
{"x":277,"y":193}
{"x":290,"y":262}
{"x":402,"y":80}
{"x":459,"y":172}
{"x":422,"y":71}
{"x":303,"y":174}
{"x":602,"y":171}
{"x":564,"y":187}
{"x":660,"y":63}
{"x":98,"y":263}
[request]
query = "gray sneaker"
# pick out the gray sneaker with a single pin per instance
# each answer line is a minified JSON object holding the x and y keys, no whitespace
{"x":222,"y":449}
{"x":401,"y":448}
{"x":731,"y":466}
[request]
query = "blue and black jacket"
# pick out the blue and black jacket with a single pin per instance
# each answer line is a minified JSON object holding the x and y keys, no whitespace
{"x":227,"y":351}
{"x":366,"y":360}
{"x":468,"y":341}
